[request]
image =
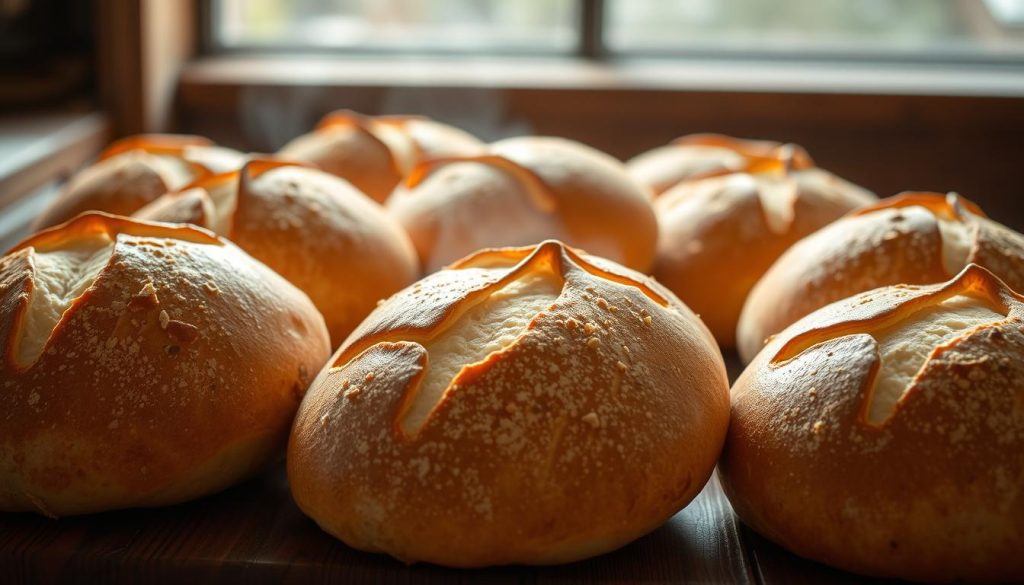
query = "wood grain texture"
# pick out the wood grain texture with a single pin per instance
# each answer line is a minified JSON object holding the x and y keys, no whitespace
{"x":255,"y":533}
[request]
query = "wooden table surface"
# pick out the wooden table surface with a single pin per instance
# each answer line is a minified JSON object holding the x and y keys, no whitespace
{"x":254,"y":532}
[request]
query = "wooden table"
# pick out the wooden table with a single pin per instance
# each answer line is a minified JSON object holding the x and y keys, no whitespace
{"x":254,"y":532}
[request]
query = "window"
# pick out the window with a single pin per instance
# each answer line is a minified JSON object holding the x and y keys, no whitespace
{"x":527,"y":26}
{"x":902,"y":30}
{"x":865,"y":29}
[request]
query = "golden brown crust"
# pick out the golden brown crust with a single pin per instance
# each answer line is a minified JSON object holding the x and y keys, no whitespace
{"x":175,"y":374}
{"x":697,"y":156}
{"x":191,"y":205}
{"x":432,"y":139}
{"x":594,"y":426}
{"x":897,"y":241}
{"x":375,"y":153}
{"x":933,"y":493}
{"x":522,"y":191}
{"x":316,"y":230}
{"x":719,"y":234}
{"x":135,"y":170}
{"x":154,"y":143}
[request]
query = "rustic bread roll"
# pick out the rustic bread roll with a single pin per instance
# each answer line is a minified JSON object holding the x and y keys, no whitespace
{"x":136,"y":170}
{"x":313,"y":228}
{"x":701,"y":155}
{"x":527,"y":405}
{"x":884,"y":434}
{"x":375,"y":153}
{"x":525,"y":190}
{"x":913,"y":238}
{"x":143,"y":364}
{"x":718,"y":235}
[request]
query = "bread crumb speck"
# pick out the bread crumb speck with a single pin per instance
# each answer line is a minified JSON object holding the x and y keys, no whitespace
{"x":592,"y":419}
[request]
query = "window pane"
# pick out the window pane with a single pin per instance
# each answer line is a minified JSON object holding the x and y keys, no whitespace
{"x":456,"y":25}
{"x":929,"y":29}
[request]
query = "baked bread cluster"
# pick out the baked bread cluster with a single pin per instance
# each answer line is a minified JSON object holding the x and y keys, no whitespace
{"x":720,"y":230}
{"x":143,"y":364}
{"x":136,"y":170}
{"x":884,"y":433}
{"x":526,"y":405}
{"x":538,"y":397}
{"x":316,"y":230}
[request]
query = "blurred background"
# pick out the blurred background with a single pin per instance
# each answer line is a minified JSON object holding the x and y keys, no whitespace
{"x":891,"y":94}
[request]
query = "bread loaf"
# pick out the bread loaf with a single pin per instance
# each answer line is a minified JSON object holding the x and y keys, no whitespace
{"x":527,"y":405}
{"x":315,"y":229}
{"x":884,"y":433}
{"x":143,"y":364}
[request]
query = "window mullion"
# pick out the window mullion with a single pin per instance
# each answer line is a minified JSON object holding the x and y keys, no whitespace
{"x":591,"y":29}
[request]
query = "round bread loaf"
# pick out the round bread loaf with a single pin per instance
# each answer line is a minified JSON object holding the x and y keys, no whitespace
{"x":313,"y":228}
{"x":376,"y":153}
{"x":884,"y":434}
{"x":701,"y":155}
{"x":527,"y":405}
{"x":143,"y":364}
{"x":913,"y":238}
{"x":523,"y":191}
{"x":136,"y":170}
{"x":718,"y":235}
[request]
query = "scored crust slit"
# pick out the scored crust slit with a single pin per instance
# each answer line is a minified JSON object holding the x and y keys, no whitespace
{"x":912,"y":238}
{"x":60,"y":276}
{"x":905,"y":341}
{"x":486,"y":328}
{"x":905,"y":347}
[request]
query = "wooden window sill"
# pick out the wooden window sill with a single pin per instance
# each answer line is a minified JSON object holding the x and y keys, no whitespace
{"x":39,"y":150}
{"x":718,"y":75}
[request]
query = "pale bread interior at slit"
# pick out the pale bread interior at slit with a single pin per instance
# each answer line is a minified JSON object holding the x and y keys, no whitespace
{"x":488,"y":327}
{"x":60,"y":276}
{"x":956,"y":244}
{"x":905,"y":347}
